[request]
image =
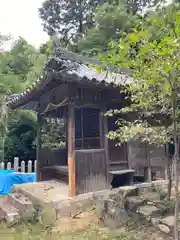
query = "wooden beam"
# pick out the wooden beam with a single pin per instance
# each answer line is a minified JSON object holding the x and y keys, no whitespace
{"x":71,"y":149}
{"x":38,"y":147}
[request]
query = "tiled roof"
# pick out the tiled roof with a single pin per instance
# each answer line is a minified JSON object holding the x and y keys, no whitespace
{"x":73,"y":67}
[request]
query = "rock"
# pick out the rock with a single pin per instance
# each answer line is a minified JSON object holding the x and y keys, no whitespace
{"x":155,"y":221}
{"x":132,"y":203}
{"x":121,"y":193}
{"x":150,"y":203}
{"x":147,"y":211}
{"x":12,"y":219}
{"x":143,"y":187}
{"x":47,"y":216}
{"x":163,"y":228}
{"x":112,"y":214}
{"x":168,"y":221}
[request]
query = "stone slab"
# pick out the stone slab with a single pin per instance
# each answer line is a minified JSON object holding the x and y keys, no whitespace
{"x":147,"y":211}
{"x":168,"y":221}
{"x":163,"y":228}
{"x":8,"y":212}
{"x":43,"y":193}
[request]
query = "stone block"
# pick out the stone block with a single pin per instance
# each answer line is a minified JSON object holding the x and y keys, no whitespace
{"x":168,"y":221}
{"x":132,"y":203}
{"x":163,"y":228}
{"x":47,"y":216}
{"x":112,"y":215}
{"x":127,"y":191}
{"x":23,"y":204}
{"x":78,"y":204}
{"x":12,"y":218}
{"x":147,"y":211}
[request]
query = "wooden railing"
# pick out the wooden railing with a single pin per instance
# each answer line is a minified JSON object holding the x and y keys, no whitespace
{"x":19,"y":166}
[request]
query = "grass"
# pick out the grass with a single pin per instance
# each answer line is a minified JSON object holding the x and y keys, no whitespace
{"x":38,"y":233}
{"x":85,"y":226}
{"x":134,"y":229}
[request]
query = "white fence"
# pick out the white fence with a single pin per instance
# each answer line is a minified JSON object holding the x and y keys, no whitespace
{"x":19,"y":166}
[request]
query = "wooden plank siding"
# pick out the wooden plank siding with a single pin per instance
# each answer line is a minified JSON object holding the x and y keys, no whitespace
{"x":91,"y":172}
{"x":138,"y":159}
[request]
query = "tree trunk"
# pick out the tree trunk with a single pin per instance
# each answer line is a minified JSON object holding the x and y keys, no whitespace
{"x":169,"y":175}
{"x":81,"y":17}
{"x":176,"y":211}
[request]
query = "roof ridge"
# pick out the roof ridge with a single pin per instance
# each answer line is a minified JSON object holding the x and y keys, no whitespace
{"x":65,"y":54}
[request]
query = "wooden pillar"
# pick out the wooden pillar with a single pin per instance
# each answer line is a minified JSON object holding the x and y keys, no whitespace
{"x":71,"y":149}
{"x":101,"y":130}
{"x":106,"y":145}
{"x":148,"y":171}
{"x":38,"y":147}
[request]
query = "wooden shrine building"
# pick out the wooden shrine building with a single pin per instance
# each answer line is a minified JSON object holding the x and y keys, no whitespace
{"x":72,"y":92}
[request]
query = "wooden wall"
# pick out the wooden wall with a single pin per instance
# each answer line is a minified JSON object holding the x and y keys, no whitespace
{"x":91,"y":170}
{"x":137,"y":158}
{"x":118,"y":159}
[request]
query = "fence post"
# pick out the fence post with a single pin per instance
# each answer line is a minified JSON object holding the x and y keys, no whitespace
{"x":2,"y":165}
{"x":35,"y":166}
{"x":29,"y":166}
{"x":23,"y":166}
{"x":16,"y":164}
{"x":9,"y":166}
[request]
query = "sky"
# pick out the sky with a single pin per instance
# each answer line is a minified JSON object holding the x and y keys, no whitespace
{"x":20,"y":18}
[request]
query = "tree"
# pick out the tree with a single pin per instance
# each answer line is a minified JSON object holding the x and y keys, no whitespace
{"x":156,"y":66}
{"x":21,"y":135}
{"x":70,"y":19}
{"x":19,"y":67}
{"x":25,"y":61}
{"x":139,"y":6}
{"x":112,"y":19}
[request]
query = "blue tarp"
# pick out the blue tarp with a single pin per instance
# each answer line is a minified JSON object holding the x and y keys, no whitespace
{"x":9,"y":177}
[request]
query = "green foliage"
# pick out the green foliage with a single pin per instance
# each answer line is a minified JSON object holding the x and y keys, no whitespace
{"x":140,"y":130}
{"x":19,"y":67}
{"x":156,"y":71}
{"x":53,"y":134}
{"x":20,"y":140}
{"x":111,"y":20}
{"x":87,"y":26}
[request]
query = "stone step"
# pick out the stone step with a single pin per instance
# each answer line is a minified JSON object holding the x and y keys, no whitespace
{"x":22,"y":203}
{"x":8,"y":212}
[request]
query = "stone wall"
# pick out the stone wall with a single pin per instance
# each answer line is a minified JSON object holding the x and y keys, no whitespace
{"x":111,"y":203}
